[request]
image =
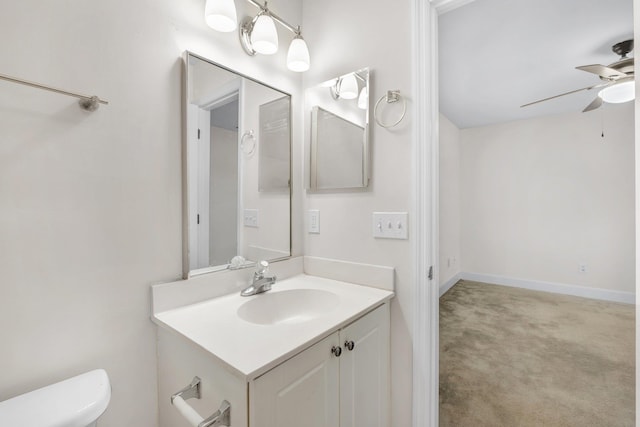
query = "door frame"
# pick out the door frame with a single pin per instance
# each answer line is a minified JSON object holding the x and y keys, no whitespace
{"x":425,"y":248}
{"x":425,"y":208}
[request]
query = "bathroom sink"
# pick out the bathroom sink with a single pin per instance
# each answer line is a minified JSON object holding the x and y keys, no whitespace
{"x":288,"y":307}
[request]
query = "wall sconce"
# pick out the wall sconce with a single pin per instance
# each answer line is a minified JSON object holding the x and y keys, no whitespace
{"x":258,"y":34}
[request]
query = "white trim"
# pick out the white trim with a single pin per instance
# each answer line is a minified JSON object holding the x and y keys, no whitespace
{"x":556,"y":288}
{"x":444,"y":6}
{"x":636,"y":28}
{"x":425,"y":213}
{"x":219,"y":96}
{"x":449,"y":283}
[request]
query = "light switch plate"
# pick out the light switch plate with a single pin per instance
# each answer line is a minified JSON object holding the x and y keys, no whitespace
{"x":390,"y":225}
{"x":250,"y":218}
{"x":314,"y":221}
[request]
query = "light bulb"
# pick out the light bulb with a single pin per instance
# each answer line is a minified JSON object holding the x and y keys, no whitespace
{"x":221,"y":15}
{"x":298,"y":55}
{"x":348,"y":87}
{"x":619,"y":92}
{"x":264,"y":36}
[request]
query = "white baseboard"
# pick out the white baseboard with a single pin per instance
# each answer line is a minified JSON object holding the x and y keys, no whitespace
{"x":557,"y":288}
{"x":444,"y":287}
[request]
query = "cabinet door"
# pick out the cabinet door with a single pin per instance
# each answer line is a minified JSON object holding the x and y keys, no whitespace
{"x":364,"y":371}
{"x":301,"y":392}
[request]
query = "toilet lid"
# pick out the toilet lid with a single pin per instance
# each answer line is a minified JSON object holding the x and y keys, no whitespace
{"x":75,"y":402}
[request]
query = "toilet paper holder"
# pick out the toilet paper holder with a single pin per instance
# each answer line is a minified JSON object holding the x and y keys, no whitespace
{"x":222,"y":417}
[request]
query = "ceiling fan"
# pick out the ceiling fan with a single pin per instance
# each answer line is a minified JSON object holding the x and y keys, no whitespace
{"x":618,"y":79}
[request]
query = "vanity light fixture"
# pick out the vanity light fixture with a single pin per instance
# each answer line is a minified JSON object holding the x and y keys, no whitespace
{"x":258,"y":34}
{"x":619,"y":92}
{"x":363,"y":99}
{"x":298,"y":55}
{"x":221,"y":15}
{"x":346,"y":87}
{"x":261,"y":33}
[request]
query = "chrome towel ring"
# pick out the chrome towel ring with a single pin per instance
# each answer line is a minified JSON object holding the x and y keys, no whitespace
{"x":248,"y":143}
{"x":391,"y":97}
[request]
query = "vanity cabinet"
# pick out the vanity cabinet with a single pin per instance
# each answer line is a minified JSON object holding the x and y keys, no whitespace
{"x":319,"y":387}
{"x":341,"y":381}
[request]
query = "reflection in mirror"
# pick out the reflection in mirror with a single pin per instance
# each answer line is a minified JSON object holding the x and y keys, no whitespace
{"x":237,"y":172}
{"x":339,"y":111}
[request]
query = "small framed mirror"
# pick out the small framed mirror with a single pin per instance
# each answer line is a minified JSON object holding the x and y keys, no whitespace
{"x":339,"y":118}
{"x":237,"y":169}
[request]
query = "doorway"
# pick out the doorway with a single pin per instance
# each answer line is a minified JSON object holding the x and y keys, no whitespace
{"x":425,"y":393}
{"x":215,"y":144}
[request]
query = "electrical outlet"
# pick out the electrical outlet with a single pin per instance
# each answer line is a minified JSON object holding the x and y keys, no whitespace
{"x":314,"y":221}
{"x":582,"y":268}
{"x":250,"y":218}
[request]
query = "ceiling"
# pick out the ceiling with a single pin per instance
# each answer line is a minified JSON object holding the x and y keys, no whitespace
{"x":495,"y":55}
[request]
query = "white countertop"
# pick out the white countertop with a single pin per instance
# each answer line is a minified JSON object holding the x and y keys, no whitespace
{"x":250,"y":349}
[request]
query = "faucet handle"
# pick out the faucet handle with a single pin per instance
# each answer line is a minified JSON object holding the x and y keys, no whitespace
{"x":262,"y":267}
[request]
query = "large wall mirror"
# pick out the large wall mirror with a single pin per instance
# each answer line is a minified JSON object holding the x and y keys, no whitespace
{"x":339,"y":110}
{"x":237,"y":169}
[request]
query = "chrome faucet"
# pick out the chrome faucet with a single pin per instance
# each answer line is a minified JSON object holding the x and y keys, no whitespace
{"x":260,"y":282}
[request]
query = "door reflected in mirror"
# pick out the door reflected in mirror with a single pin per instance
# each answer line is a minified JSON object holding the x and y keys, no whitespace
{"x":237,"y":154}
{"x":339,"y":112}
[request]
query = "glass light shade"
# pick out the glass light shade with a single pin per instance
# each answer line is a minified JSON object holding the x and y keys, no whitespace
{"x":619,"y":93}
{"x":363,"y":99}
{"x":348,"y":87}
{"x":264,"y":36}
{"x":221,"y":15}
{"x":298,"y":55}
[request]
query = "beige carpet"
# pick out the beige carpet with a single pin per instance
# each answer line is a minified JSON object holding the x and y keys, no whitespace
{"x":514,"y":357}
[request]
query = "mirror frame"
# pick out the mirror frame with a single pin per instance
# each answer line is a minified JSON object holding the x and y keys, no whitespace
{"x":313,"y":140}
{"x":186,"y":272}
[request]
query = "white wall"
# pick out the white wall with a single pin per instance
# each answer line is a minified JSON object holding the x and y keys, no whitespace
{"x":343,"y":37}
{"x":542,"y":196}
{"x":449,"y":234}
{"x":90,"y":204}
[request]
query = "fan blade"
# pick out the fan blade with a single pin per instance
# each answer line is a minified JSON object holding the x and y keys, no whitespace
{"x":566,"y":93}
{"x":596,"y":103}
{"x":602,"y":71}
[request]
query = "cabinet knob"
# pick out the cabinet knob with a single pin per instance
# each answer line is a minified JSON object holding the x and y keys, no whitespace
{"x":349,"y":345}
{"x":336,"y":351}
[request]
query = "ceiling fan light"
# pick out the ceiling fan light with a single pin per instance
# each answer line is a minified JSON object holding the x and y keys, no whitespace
{"x":264,"y":36}
{"x":619,"y":93}
{"x":221,"y":15}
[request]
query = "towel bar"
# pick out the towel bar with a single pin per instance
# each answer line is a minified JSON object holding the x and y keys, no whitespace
{"x":222,"y":417}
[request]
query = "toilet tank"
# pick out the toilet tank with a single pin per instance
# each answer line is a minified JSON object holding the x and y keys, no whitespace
{"x":75,"y":402}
